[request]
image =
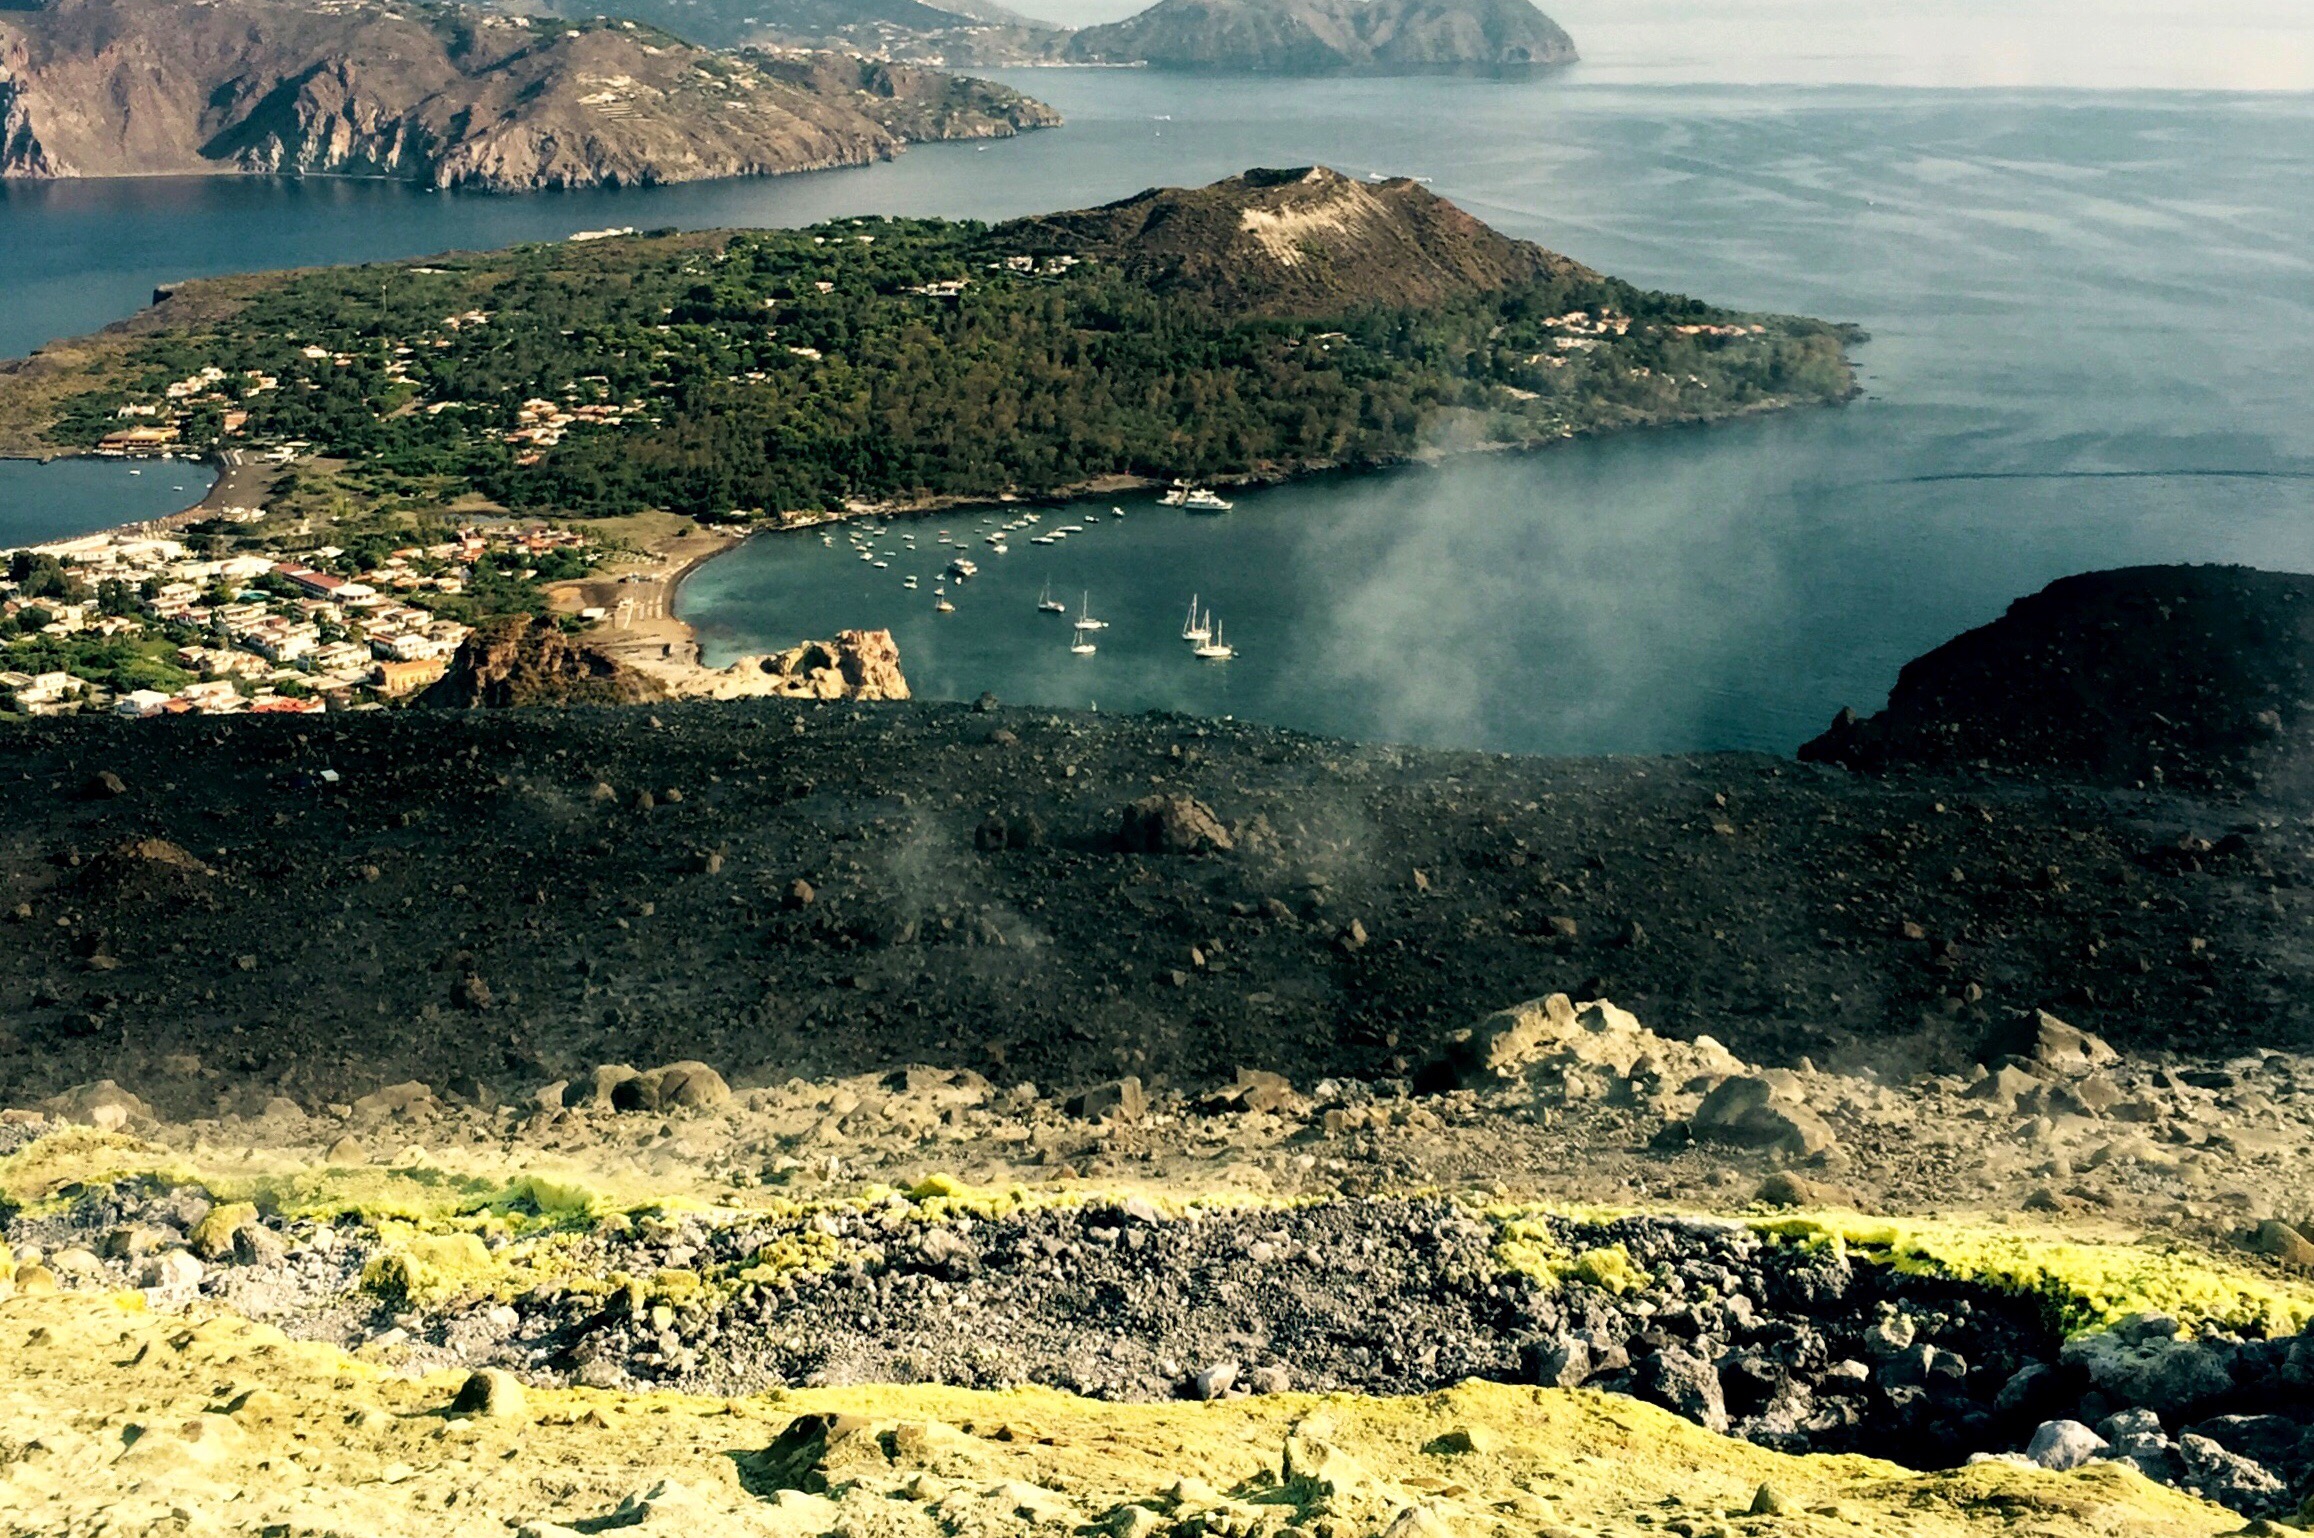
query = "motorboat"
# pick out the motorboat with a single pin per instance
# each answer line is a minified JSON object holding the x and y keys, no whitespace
{"x":962,"y":570}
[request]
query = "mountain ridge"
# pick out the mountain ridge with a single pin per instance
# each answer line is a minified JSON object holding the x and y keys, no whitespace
{"x":1325,"y":36}
{"x":447,"y":97}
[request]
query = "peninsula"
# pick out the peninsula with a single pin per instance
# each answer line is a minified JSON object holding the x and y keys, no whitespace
{"x":1274,"y":323}
{"x":446,"y":96}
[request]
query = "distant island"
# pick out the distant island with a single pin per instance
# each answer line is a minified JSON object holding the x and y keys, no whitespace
{"x":1285,"y":37}
{"x":1271,"y":324}
{"x":1296,"y":37}
{"x":446,"y":96}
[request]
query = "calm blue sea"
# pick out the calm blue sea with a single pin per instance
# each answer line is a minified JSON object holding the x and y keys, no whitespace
{"x":2089,"y":314}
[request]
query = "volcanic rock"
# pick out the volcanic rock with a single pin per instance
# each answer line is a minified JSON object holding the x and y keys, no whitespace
{"x":856,"y":665}
{"x":2063,"y":1444}
{"x":492,"y":1392}
{"x":2180,"y":675}
{"x":1753,"y":1112}
{"x":2041,"y":1038}
{"x":1171,"y":825}
{"x":522,"y":661}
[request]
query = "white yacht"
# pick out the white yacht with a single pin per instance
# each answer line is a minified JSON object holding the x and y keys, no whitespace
{"x":1085,"y":620}
{"x":1200,"y":500}
{"x":1216,"y":649}
{"x":1196,"y":630}
{"x":1049,"y":604}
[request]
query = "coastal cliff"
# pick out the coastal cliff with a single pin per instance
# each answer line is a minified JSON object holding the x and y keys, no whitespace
{"x":1297,"y":37}
{"x":446,"y":98}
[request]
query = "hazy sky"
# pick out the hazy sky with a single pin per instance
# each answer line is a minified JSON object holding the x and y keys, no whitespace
{"x":2159,"y":44}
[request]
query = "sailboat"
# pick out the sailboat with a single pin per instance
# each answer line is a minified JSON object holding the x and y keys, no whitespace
{"x":1085,"y":620}
{"x":1083,"y":645}
{"x":1048,"y":603}
{"x":1193,"y":629}
{"x":1216,"y":650}
{"x":940,"y":603}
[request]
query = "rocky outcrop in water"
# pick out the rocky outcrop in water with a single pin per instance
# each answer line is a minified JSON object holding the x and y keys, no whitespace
{"x":856,"y":665}
{"x":448,"y":98}
{"x":1303,"y":37}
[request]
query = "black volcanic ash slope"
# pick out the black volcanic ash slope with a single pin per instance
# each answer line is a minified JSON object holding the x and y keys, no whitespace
{"x":776,"y":888}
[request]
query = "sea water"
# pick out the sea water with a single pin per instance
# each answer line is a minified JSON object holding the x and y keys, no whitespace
{"x":2088,"y":312}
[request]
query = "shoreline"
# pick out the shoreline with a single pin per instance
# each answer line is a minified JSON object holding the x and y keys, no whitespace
{"x":1101,"y":486}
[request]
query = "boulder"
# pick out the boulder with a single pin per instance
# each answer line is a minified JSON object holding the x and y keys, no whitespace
{"x":2283,"y":1243}
{"x":2272,"y":1440}
{"x":2041,"y":1038}
{"x":409,"y":1101}
{"x":2064,"y":1444}
{"x":689,"y":1086}
{"x":492,"y":1392}
{"x":2228,"y":1478}
{"x":1171,"y":824}
{"x":1555,"y":1032}
{"x":1557,"y":1364}
{"x":2137,"y":1364}
{"x":1683,"y":1383}
{"x":175,"y":1271}
{"x":103,"y":1105}
{"x":1753,"y":1112}
{"x":212,"y":1237}
{"x":1121,"y":1099}
{"x":1214,"y":1382}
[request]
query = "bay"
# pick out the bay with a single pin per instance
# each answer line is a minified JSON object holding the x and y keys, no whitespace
{"x":63,"y":498}
{"x":2084,"y":308}
{"x":2087,"y":309}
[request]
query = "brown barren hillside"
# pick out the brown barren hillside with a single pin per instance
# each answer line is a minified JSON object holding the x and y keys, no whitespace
{"x":1303,"y":241}
{"x":453,"y":99}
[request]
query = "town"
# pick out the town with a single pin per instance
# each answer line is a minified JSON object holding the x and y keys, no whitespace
{"x":142,"y":623}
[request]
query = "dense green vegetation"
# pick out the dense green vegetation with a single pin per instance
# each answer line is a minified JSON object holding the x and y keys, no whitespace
{"x":770,"y":371}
